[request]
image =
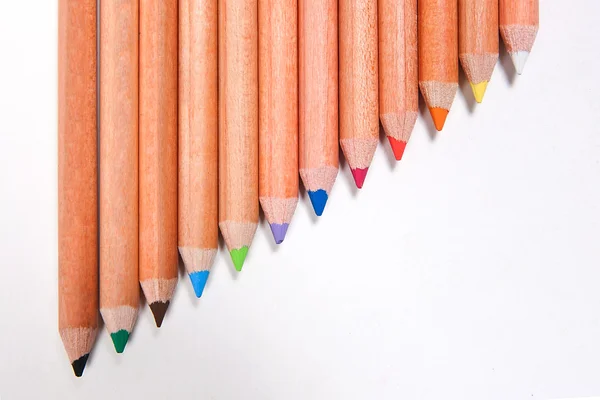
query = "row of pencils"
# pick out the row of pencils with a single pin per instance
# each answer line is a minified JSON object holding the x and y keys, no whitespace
{"x":209,"y":107}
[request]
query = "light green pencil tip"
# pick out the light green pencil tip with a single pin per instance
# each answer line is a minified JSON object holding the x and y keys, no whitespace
{"x":238,"y":256}
{"x":120,"y":340}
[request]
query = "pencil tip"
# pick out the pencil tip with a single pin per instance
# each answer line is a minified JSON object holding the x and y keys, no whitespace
{"x":479,"y":90}
{"x":318,"y":199}
{"x":238,"y":256}
{"x":279,"y":231}
{"x":359,"y":175}
{"x":119,"y":339}
{"x":159,"y":309}
{"x":398,"y":147}
{"x":79,"y":365}
{"x":519,"y":59}
{"x":439,"y":117}
{"x":198,"y":279}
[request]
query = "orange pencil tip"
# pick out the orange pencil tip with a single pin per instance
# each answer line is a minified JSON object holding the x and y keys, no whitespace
{"x":398,"y":147}
{"x":439,"y":117}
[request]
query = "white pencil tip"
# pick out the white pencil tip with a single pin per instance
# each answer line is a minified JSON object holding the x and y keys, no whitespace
{"x":519,"y":59}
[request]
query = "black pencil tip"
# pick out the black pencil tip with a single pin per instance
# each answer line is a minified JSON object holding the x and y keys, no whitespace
{"x":159,"y":309}
{"x":79,"y":365}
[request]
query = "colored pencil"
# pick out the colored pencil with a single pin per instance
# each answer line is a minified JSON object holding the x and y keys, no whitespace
{"x":77,"y":180}
{"x":398,"y":71}
{"x":359,"y":103}
{"x":438,"y":56}
{"x":238,"y":125}
{"x":119,"y":285}
{"x":519,"y":23}
{"x":158,"y":153}
{"x":318,"y":98}
{"x":478,"y":42}
{"x":278,"y":112}
{"x":198,"y":139}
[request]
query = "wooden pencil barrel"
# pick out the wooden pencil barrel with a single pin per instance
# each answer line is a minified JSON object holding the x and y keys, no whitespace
{"x":77,"y":178}
{"x":158,"y":151}
{"x":119,"y":286}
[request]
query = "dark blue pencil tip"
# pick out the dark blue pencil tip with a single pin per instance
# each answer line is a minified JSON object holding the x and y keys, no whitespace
{"x":318,"y":199}
{"x":199,"y":279}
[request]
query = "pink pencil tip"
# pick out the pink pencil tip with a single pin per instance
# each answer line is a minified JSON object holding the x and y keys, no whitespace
{"x":359,"y":175}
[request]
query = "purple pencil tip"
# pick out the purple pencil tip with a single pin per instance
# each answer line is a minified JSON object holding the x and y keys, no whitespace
{"x":279,"y":231}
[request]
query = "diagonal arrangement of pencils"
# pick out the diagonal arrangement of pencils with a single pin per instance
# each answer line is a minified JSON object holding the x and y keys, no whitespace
{"x":181,"y":151}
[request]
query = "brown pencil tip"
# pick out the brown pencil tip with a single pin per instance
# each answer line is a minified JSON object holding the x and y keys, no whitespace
{"x":439,"y":117}
{"x":159,"y":310}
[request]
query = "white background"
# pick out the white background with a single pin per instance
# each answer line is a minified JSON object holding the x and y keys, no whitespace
{"x":469,"y":270}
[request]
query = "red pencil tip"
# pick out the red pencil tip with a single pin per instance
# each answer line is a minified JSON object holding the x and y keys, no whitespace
{"x":398,"y":147}
{"x":439,"y":117}
{"x":359,"y":175}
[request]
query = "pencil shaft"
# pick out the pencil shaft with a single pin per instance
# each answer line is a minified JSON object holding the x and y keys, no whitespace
{"x":77,"y":179}
{"x":478,"y":38}
{"x":158,"y":151}
{"x":278,"y":109}
{"x":119,"y":286}
{"x":359,"y":104}
{"x":198,"y":140}
{"x":318,"y":97}
{"x":238,"y":123}
{"x":438,"y":56}
{"x":398,"y":70}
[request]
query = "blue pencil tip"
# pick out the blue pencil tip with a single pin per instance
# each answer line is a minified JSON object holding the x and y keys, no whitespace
{"x":318,"y":199}
{"x":199,"y":279}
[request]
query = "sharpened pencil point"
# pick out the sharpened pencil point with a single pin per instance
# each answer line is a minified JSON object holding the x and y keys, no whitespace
{"x":159,"y":309}
{"x":79,"y":365}
{"x":120,"y":340}
{"x":398,"y":147}
{"x":318,"y":199}
{"x":238,"y":256}
{"x":279,"y":231}
{"x":439,"y":117}
{"x":359,"y":175}
{"x":479,"y":90}
{"x":198,"y":279}
{"x":519,"y":59}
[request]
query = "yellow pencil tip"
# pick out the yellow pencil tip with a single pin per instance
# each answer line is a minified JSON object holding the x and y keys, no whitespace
{"x":479,"y":90}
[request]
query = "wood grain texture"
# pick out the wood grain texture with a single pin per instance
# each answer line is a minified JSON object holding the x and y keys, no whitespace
{"x":519,"y":23}
{"x":198,"y":134}
{"x":119,"y":286}
{"x":478,"y":38}
{"x":398,"y":70}
{"x":77,"y":178}
{"x":158,"y":149}
{"x":318,"y":138}
{"x":438,"y":56}
{"x":278,"y":108}
{"x":359,"y":102}
{"x":238,"y":121}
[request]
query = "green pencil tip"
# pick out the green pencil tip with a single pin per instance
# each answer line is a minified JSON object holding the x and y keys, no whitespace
{"x":238,"y":256}
{"x":120,"y":340}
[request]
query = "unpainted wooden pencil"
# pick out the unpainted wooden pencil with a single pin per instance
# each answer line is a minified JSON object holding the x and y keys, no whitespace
{"x":77,"y":180}
{"x":238,"y":125}
{"x":119,"y":285}
{"x":398,"y":71}
{"x":438,"y":56}
{"x":478,"y":42}
{"x":318,"y":139}
{"x":519,"y":23}
{"x":359,"y":102}
{"x":198,"y":139}
{"x":278,"y":112}
{"x":158,"y":153}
